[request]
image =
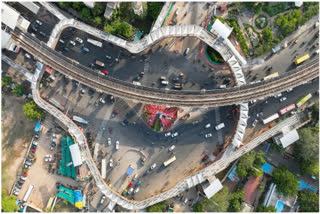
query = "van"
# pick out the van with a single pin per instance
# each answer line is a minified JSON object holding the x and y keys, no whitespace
{"x":220,"y":126}
{"x":186,"y":51}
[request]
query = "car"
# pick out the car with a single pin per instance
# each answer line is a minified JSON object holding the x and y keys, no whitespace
{"x":205,"y":158}
{"x":136,"y":190}
{"x":109,"y":141}
{"x":130,"y":190}
{"x":29,"y":163}
{"x":35,"y":143}
{"x":27,"y":166}
{"x":130,"y":184}
{"x":85,"y":49}
{"x":105,"y":72}
{"x":153,"y":166}
{"x":36,"y":136}
{"x":102,"y":199}
{"x":79,"y":40}
{"x":61,"y":41}
{"x":124,"y":192}
{"x":252,"y":101}
{"x":207,"y":126}
{"x":172,"y":148}
{"x":277,"y":95}
{"x":108,"y":57}
{"x":38,"y":22}
{"x":283,"y":99}
{"x":162,"y":78}
{"x":167,"y":134}
{"x":260,"y":114}
{"x":186,"y":51}
{"x":117,"y":145}
{"x":289,"y":89}
{"x":208,"y":135}
{"x":43,"y":34}
{"x":82,"y":92}
{"x":91,"y":91}
{"x":27,"y":56}
{"x":138,"y":78}
{"x":111,"y":163}
{"x":220,"y":126}
{"x":66,"y":49}
{"x":51,"y":148}
{"x":164,"y":82}
{"x":23,"y":178}
{"x":135,"y":177}
{"x":34,"y":29}
{"x":175,"y":134}
{"x":72,"y":43}
{"x":185,"y":201}
{"x":254,"y":123}
{"x":34,"y":150}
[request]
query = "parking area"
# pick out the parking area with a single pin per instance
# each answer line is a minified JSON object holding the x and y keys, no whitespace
{"x":139,"y":140}
{"x":175,"y":66}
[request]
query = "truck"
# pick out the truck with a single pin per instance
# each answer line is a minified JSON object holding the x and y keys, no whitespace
{"x":80,"y":120}
{"x":270,"y":76}
{"x":99,"y":63}
{"x":104,"y":168}
{"x":94,"y":42}
{"x":28,"y":193}
{"x":129,"y":170}
{"x":271,"y":118}
{"x":301,"y":59}
{"x":169,"y":161}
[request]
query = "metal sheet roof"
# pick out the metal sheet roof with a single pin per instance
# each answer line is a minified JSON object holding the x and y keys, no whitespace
{"x":289,"y":138}
{"x":213,"y":188}
{"x":75,"y":154}
{"x":9,"y":16}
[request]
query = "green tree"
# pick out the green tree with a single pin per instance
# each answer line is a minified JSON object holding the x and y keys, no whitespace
{"x":309,"y":167}
{"x":287,"y":183}
{"x":32,"y":111}
{"x":307,"y":147}
{"x":6,"y":81}
{"x":261,"y":187}
{"x":85,"y":13}
{"x":159,"y":207}
{"x":235,"y":202}
{"x":267,"y":34}
{"x":198,"y":207}
{"x":108,"y":28}
{"x":256,"y":171}
{"x":97,"y":10}
{"x":8,"y":202}
{"x":97,"y":21}
{"x":77,"y":5}
{"x":249,"y":5}
{"x":264,"y":209}
{"x":260,"y":158}
{"x":64,"y":5}
{"x":308,"y":201}
{"x":245,"y":163}
{"x":315,"y":111}
{"x":18,"y":90}
{"x":257,"y":9}
{"x":154,"y":9}
{"x":122,"y":28}
{"x":219,"y":202}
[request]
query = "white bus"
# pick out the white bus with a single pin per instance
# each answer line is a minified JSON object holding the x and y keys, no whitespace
{"x":166,"y":163}
{"x":271,"y":118}
{"x":94,"y":42}
{"x":104,"y":168}
{"x":80,"y":120}
{"x":28,"y":193}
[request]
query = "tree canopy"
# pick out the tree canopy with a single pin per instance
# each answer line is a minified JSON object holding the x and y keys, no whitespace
{"x":64,"y":5}
{"x":267,"y":34}
{"x":159,"y":207}
{"x":8,"y":202}
{"x":219,"y":202}
{"x":287,"y":183}
{"x":154,"y":9}
{"x":85,"y":14}
{"x":307,"y":147}
{"x":245,"y":163}
{"x":6,"y":81}
{"x":235,"y":202}
{"x":308,"y":201}
{"x":77,"y":5}
{"x":32,"y":111}
{"x":262,"y":208}
{"x":18,"y":90}
{"x":97,"y":21}
{"x":97,"y":10}
{"x":315,"y":111}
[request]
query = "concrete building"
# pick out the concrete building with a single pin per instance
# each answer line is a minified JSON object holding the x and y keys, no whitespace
{"x":286,"y":139}
{"x":111,"y":6}
{"x":89,"y":4}
{"x":137,"y":8}
{"x":298,"y":3}
{"x":211,"y":188}
{"x":9,"y":21}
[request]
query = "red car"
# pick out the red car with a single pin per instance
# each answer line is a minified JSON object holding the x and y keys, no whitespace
{"x":34,"y":150}
{"x":105,"y":72}
{"x":130,"y":185}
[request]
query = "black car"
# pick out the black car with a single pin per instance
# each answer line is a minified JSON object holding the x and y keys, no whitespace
{"x":34,"y":29}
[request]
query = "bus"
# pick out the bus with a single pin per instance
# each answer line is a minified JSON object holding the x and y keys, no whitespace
{"x":94,"y":42}
{"x":28,"y":193}
{"x":271,"y":118}
{"x":303,"y":100}
{"x":301,"y":59}
{"x":273,"y":75}
{"x":287,"y":109}
{"x":166,"y":163}
{"x":104,"y":168}
{"x":80,"y":120}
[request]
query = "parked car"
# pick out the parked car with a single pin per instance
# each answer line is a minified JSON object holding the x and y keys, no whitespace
{"x":61,"y":41}
{"x":130,"y":190}
{"x":208,"y":135}
{"x":277,"y":95}
{"x":172,"y":148}
{"x":72,"y":43}
{"x":111,"y":163}
{"x":167,"y":134}
{"x":27,"y":56}
{"x":260,"y":114}
{"x":43,"y":34}
{"x":153,"y":166}
{"x":34,"y":29}
{"x":135,"y":177}
{"x":207,"y":126}
{"x":175,"y":134}
{"x":105,"y":72}
{"x":164,"y":82}
{"x":289,"y":89}
{"x":220,"y":126}
{"x":254,"y":123}
{"x":136,"y":190}
{"x":27,"y":166}
{"x":79,"y":40}
{"x":108,"y":57}
{"x":117,"y":145}
{"x":130,"y":184}
{"x":102,"y":199}
{"x":283,"y":99}
{"x":109,"y":141}
{"x":205,"y":158}
{"x":38,"y":22}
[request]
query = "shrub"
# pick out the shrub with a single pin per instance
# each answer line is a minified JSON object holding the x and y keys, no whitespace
{"x":214,"y":55}
{"x":32,"y":111}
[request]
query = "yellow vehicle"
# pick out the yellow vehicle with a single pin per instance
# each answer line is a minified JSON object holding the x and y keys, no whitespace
{"x":301,"y":59}
{"x":273,"y":75}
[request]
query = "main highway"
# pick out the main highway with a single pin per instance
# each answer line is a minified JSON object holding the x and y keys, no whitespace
{"x":123,"y":89}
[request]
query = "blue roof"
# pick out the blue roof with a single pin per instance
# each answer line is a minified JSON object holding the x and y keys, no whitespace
{"x":304,"y":186}
{"x":232,"y":174}
{"x":279,"y":206}
{"x":267,"y":168}
{"x":37,"y":128}
{"x":130,"y":170}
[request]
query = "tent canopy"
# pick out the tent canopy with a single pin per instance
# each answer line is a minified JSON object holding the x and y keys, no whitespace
{"x":75,"y":154}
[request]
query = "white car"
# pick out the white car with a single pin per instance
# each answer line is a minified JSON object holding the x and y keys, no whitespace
{"x":117,"y":145}
{"x":172,"y":148}
{"x":38,"y":22}
{"x":102,"y":101}
{"x":72,"y":43}
{"x":254,"y":123}
{"x":260,"y":114}
{"x":207,"y":126}
{"x":136,"y":190}
{"x":79,"y":40}
{"x":153,"y":166}
{"x":283,"y":99}
{"x":174,"y":134}
{"x":164,"y":82}
{"x":111,"y":163}
{"x":277,"y":95}
{"x":130,"y":190}
{"x":220,"y":126}
{"x":35,"y":143}
{"x":252,"y":101}
{"x":135,"y":177}
{"x":47,"y":157}
{"x":28,"y":56}
{"x":109,"y":141}
{"x":167,"y":134}
{"x":208,"y":135}
{"x":289,"y":89}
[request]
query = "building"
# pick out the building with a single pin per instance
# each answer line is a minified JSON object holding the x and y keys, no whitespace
{"x":287,"y":139}
{"x":111,"y":6}
{"x":251,"y":189}
{"x":89,"y":4}
{"x":30,"y":6}
{"x":223,"y":7}
{"x":298,"y":3}
{"x":137,"y":8}
{"x":210,"y":189}
{"x":9,"y":21}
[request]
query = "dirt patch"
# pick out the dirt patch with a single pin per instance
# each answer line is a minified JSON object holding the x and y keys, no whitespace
{"x":16,"y":134}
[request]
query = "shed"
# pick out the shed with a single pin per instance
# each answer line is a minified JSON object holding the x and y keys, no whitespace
{"x":9,"y":16}
{"x":213,"y":188}
{"x":289,"y":138}
{"x":37,"y":128}
{"x":222,"y":29}
{"x":298,"y":3}
{"x":75,"y":155}
{"x":130,"y":170}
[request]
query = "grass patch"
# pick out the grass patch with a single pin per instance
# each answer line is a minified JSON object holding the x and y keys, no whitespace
{"x":214,"y":55}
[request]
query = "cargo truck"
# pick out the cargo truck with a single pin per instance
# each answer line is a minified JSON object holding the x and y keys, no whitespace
{"x":99,"y":63}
